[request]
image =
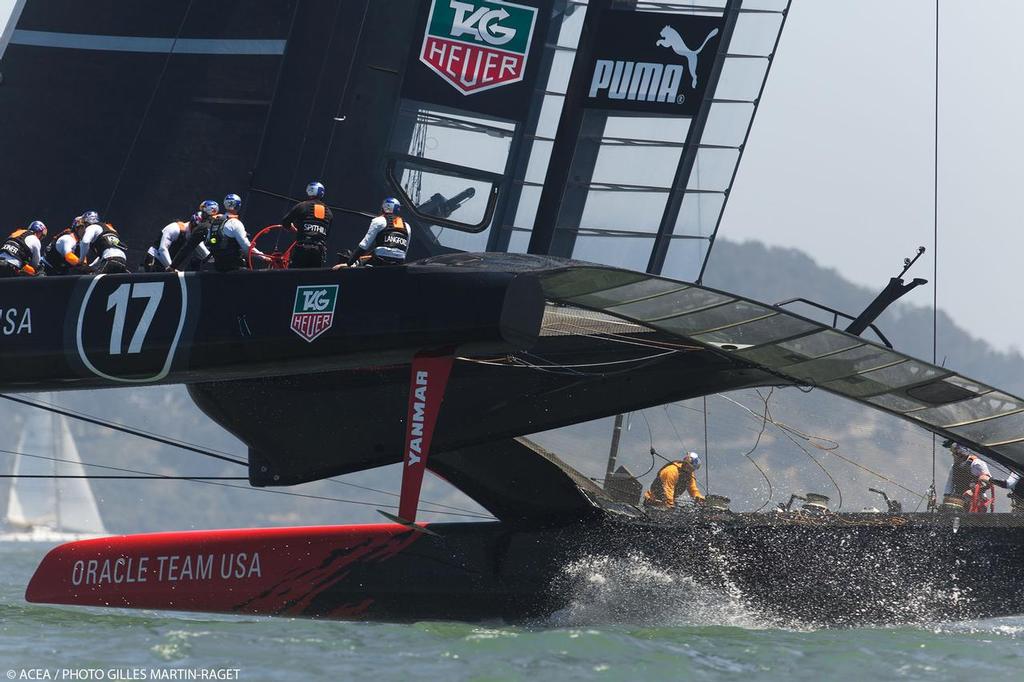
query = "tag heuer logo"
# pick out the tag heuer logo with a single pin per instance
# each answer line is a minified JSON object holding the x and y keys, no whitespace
{"x":479,"y":44}
{"x":314,"y":310}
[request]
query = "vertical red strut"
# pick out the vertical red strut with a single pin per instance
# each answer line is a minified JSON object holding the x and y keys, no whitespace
{"x":427,"y":383}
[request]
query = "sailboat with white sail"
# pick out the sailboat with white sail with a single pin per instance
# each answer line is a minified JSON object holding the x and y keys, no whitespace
{"x":45,"y":503}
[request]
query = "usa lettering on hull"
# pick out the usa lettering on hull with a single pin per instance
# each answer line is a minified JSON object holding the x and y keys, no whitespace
{"x":15,"y":321}
{"x":478,"y":45}
{"x":654,"y":63}
{"x":166,"y":568}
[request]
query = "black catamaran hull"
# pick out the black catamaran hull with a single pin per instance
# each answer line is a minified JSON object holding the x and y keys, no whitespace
{"x":839,"y":570}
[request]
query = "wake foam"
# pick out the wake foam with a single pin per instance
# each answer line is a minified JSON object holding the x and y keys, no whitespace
{"x":633,"y":590}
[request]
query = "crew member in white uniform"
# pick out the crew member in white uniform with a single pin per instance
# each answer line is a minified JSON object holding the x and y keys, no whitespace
{"x":172,"y":238}
{"x":228,"y":241}
{"x":387,"y":240}
{"x":100,"y":246}
{"x":21,"y":253}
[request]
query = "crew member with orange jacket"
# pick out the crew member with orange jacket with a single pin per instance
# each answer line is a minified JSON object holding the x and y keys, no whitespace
{"x":672,"y":479}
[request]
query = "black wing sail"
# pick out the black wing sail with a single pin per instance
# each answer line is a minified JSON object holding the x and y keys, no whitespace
{"x":136,"y":110}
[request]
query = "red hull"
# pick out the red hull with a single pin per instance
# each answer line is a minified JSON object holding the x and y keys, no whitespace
{"x":277,"y":571}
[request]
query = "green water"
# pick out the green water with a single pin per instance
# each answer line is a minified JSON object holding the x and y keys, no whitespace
{"x":706,"y":638}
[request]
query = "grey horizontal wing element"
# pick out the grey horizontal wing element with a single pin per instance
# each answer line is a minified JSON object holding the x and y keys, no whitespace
{"x":804,"y":352}
{"x":105,"y":43}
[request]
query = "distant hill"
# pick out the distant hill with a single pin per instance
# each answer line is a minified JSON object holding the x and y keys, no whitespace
{"x":874,"y":440}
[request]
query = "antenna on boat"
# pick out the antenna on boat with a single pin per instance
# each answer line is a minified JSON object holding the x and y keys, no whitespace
{"x":889,"y":295}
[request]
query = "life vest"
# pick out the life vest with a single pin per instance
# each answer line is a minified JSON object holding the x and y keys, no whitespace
{"x":16,"y":247}
{"x":108,"y":239}
{"x":55,"y":259}
{"x":394,"y":236}
{"x":220,"y":245}
{"x":314,"y":224}
{"x":963,"y":478}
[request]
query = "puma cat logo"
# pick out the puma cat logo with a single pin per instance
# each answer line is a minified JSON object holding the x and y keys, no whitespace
{"x":670,"y":38}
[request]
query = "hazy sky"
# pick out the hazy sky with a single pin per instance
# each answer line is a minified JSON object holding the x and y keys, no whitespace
{"x":839,"y":162}
{"x":840,"y":159}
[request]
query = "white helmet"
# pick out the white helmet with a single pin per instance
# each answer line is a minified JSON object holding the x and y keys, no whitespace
{"x":315,"y":190}
{"x":693,"y":459}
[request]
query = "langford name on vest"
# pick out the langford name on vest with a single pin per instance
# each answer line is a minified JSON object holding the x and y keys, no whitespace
{"x":637,"y":81}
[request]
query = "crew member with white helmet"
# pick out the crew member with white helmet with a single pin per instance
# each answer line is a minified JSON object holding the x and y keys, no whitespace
{"x":20,"y":254}
{"x":100,"y":246}
{"x":206,"y":219}
{"x":968,"y":470}
{"x":227,"y":241}
{"x":173,"y":238}
{"x":387,"y":240}
{"x":672,"y":478}
{"x":311,"y":222}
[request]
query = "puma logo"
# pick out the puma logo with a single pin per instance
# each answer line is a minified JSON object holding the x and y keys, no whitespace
{"x":670,"y":38}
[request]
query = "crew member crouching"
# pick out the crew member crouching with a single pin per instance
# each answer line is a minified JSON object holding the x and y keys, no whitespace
{"x":387,"y":240}
{"x":673,"y":478}
{"x":206,"y":219}
{"x":100,"y":246}
{"x":60,"y":256}
{"x":20,"y":254}
{"x":969,"y":478}
{"x":311,"y":222}
{"x":173,"y":238}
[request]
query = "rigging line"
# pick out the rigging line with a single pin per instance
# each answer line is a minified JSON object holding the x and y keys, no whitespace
{"x":645,"y":358}
{"x":227,"y":485}
{"x":333,"y":480}
{"x":748,"y":453}
{"x":46,"y":405}
{"x":805,"y":436}
{"x":149,"y":107}
{"x":626,"y":339}
{"x":188,"y":478}
{"x":814,"y":459}
{"x":833,"y":451}
{"x":683,"y":406}
{"x":650,"y":436}
{"x":154,"y":477}
{"x":51,"y":406}
{"x":344,"y":88}
{"x":266,"y":120}
{"x":616,"y":338}
{"x":316,"y":94}
{"x":672,"y":424}
{"x":935,"y":221}
{"x":125,"y":429}
{"x":707,"y":455}
{"x":552,"y":368}
{"x":392,"y":494}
